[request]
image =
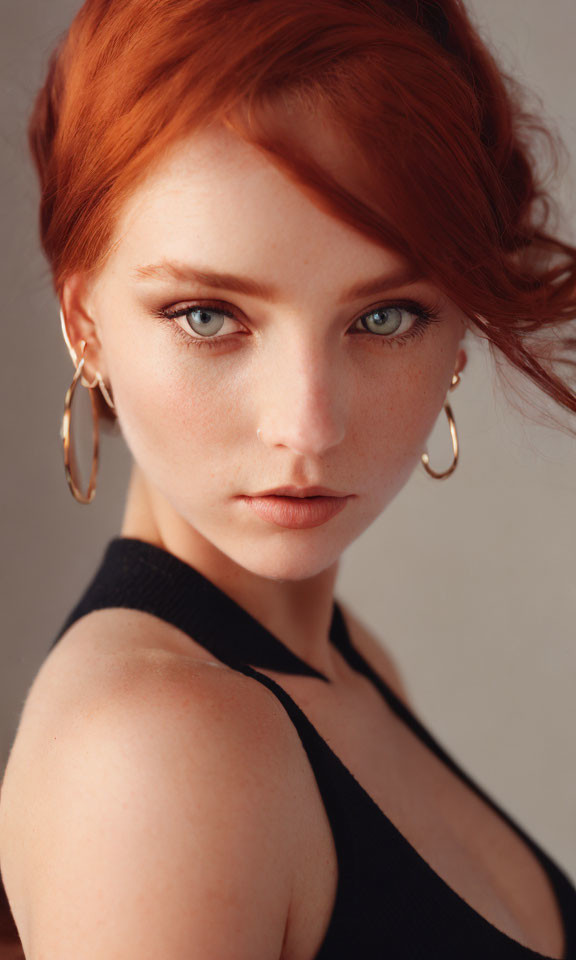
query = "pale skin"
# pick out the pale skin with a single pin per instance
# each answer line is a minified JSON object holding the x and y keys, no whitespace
{"x":127,"y":714}
{"x":335,"y":409}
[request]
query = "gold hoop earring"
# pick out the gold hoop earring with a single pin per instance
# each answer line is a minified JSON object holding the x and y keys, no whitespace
{"x":69,"y":457}
{"x":453,"y":434}
{"x":98,"y":381}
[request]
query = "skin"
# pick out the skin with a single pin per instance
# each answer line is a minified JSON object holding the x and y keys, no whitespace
{"x":344,"y":409}
{"x":336,"y":402}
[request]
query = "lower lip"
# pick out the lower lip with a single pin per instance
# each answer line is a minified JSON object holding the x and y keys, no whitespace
{"x":297,"y":512}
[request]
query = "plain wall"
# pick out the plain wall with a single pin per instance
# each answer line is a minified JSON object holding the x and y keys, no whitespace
{"x":469,"y":581}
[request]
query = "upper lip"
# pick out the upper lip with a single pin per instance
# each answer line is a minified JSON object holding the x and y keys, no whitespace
{"x":291,"y":491}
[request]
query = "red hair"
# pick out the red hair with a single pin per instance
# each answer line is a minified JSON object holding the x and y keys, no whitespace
{"x":443,"y":166}
{"x":443,"y":169}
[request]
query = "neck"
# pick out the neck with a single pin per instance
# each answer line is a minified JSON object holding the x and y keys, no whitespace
{"x":297,"y":612}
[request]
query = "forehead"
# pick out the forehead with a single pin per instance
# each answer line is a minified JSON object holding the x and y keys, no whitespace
{"x":217,"y":199}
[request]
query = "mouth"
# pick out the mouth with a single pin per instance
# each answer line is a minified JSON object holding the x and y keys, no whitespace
{"x":297,"y":512}
{"x":300,"y":493}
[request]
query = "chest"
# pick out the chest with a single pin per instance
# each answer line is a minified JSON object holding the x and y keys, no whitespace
{"x":467,"y":844}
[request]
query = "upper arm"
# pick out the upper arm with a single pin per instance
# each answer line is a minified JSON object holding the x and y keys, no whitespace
{"x":155,"y":824}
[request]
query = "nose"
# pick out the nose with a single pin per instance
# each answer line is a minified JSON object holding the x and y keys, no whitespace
{"x":303,"y":402}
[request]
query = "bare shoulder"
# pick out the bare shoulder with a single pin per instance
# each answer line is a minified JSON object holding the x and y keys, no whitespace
{"x":376,"y":653}
{"x":109,"y":654}
{"x":122,"y":666}
{"x":142,"y":782}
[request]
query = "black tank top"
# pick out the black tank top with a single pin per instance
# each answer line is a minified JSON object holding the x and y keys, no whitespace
{"x":389,"y":903}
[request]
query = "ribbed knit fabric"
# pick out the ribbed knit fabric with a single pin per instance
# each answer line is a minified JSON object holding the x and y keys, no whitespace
{"x":390,"y":903}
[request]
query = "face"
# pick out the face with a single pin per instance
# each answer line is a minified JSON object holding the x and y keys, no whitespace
{"x":344,"y":386}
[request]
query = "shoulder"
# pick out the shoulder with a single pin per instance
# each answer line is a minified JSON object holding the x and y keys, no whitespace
{"x":123,"y":670}
{"x":376,"y":653}
{"x":149,"y":782}
{"x":123,"y":664}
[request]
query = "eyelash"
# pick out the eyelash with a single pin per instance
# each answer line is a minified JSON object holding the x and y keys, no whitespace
{"x":425,"y":316}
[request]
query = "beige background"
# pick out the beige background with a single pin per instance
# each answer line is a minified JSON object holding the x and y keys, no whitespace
{"x":470,"y":581}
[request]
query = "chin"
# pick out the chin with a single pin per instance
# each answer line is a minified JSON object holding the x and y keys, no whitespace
{"x":287,"y":560}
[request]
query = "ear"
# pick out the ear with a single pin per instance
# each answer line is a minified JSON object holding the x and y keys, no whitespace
{"x":79,"y":323}
{"x":461,"y":360}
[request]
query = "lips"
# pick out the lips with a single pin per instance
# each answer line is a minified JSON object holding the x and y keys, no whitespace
{"x":300,"y":492}
{"x":296,"y":512}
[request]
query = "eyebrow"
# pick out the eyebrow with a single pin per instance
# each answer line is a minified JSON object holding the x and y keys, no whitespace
{"x":173,"y":270}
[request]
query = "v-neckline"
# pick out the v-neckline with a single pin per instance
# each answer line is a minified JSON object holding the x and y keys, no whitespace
{"x":205,"y":612}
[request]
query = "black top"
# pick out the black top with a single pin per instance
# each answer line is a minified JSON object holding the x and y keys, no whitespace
{"x":389,"y":902}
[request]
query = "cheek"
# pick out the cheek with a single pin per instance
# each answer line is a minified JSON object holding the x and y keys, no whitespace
{"x":172,"y":410}
{"x":396,"y":409}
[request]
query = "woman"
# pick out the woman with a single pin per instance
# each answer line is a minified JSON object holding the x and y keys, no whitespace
{"x":271,"y":226}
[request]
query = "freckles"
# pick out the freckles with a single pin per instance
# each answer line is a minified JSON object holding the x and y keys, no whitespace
{"x":397,"y":413}
{"x":177,"y":409}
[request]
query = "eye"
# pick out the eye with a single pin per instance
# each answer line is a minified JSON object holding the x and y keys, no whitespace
{"x":203,"y":322}
{"x":384,"y":321}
